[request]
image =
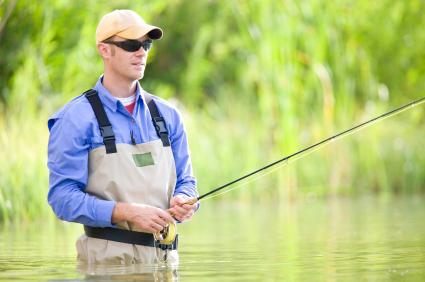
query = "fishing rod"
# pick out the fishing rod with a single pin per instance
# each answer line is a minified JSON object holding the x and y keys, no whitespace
{"x":311,"y":148}
{"x":168,"y":234}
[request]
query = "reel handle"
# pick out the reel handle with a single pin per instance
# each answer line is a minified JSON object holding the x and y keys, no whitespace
{"x":191,"y":201}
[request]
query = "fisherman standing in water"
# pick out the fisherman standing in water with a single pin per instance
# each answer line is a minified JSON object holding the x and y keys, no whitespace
{"x":118,"y":156}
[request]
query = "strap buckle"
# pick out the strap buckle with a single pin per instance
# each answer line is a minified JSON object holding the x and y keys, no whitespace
{"x":90,"y":93}
{"x":160,"y":126}
{"x":107,"y":132}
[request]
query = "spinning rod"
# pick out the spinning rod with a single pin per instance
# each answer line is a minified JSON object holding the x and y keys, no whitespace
{"x":308,"y":150}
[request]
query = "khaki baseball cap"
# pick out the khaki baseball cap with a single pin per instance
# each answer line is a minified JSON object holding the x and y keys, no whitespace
{"x":126,"y":24}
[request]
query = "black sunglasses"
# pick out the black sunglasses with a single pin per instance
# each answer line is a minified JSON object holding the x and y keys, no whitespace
{"x":131,"y":45}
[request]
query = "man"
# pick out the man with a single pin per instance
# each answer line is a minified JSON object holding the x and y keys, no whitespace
{"x":118,"y":157}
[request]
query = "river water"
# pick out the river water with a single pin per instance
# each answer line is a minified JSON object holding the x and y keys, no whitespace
{"x":336,"y":239}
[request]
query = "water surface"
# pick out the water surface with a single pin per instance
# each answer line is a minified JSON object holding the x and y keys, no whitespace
{"x":347,"y":239}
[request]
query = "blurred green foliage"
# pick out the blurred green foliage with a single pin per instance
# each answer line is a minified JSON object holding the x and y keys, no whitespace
{"x":255,"y":80}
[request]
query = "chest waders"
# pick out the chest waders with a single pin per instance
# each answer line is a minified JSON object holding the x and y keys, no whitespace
{"x":133,"y":173}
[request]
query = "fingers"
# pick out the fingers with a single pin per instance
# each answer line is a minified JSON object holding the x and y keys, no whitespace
{"x":189,"y":206}
{"x":179,"y":210}
{"x":184,"y":217}
{"x":183,"y":208}
{"x":179,"y":200}
{"x":157,"y":223}
{"x":156,"y":227}
{"x":182,"y":200}
{"x":160,"y":221}
{"x":165,"y":215}
{"x":148,"y":218}
{"x":182,"y":213}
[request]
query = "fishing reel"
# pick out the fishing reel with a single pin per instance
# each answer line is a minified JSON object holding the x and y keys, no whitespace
{"x":167,"y":235}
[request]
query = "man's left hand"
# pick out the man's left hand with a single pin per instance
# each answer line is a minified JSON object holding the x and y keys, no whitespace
{"x":181,"y":207}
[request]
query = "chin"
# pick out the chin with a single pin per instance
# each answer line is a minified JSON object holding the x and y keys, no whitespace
{"x":139,"y":76}
{"x":136,"y":77}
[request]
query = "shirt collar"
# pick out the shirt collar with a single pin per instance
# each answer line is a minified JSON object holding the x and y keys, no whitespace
{"x":110,"y":101}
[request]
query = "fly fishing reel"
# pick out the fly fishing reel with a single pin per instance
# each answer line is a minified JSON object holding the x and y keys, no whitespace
{"x":167,"y":235}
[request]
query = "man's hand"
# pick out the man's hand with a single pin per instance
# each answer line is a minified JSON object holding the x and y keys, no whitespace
{"x":143,"y":217}
{"x":182,"y":207}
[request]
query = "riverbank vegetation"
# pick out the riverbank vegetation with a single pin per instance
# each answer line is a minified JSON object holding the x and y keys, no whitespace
{"x":255,"y":80}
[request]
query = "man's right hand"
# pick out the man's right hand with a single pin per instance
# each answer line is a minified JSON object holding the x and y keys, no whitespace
{"x":142,"y":217}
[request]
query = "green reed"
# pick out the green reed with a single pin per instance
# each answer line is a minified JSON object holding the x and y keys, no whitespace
{"x":254,"y":80}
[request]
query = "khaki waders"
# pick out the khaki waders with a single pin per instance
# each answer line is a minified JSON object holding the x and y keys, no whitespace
{"x":140,"y":173}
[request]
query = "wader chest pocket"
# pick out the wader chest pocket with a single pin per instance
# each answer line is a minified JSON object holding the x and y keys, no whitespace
{"x":143,"y":159}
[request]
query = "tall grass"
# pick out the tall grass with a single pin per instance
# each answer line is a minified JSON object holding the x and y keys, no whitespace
{"x":255,"y":80}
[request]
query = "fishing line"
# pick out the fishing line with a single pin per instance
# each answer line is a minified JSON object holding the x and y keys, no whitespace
{"x":168,"y":234}
{"x":304,"y":152}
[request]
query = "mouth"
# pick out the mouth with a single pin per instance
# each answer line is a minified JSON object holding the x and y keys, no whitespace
{"x":139,"y":64}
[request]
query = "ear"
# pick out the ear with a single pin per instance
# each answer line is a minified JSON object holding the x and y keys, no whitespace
{"x":105,"y":50}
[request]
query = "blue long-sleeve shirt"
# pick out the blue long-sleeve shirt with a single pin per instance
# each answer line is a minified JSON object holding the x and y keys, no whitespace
{"x":74,"y":132}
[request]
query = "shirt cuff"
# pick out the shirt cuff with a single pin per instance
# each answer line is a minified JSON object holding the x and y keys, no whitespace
{"x":187,"y":191}
{"x":104,"y":211}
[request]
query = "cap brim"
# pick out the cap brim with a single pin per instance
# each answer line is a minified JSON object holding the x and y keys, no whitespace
{"x":137,"y":31}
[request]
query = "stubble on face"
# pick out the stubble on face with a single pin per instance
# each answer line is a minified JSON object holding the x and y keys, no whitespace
{"x":129,"y":65}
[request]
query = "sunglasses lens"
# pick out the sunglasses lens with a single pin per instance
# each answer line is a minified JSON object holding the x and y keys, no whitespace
{"x":131,"y":45}
{"x":147,"y":44}
{"x":134,"y":45}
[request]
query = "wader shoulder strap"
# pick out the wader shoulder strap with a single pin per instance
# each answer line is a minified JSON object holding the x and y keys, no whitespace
{"x":104,"y":124}
{"x":158,"y":120}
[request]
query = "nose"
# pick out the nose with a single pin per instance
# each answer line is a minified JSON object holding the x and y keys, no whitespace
{"x":141,"y":52}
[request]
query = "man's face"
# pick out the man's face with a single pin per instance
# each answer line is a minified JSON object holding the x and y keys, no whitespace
{"x":129,"y":65}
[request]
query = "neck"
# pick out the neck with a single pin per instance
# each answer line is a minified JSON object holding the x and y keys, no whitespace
{"x":118,"y":86}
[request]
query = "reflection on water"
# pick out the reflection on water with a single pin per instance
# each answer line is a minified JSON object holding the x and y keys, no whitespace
{"x":365,"y":238}
{"x":135,"y":272}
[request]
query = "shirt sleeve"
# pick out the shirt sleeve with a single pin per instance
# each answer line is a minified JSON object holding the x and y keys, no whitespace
{"x":68,"y":173}
{"x":186,"y":182}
